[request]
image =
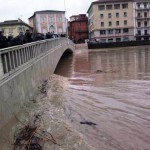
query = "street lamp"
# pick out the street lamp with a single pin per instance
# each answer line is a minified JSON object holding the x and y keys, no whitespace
{"x":66,"y":18}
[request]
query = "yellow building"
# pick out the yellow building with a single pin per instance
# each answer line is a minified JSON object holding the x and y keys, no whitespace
{"x":111,"y":20}
{"x":13,"y":27}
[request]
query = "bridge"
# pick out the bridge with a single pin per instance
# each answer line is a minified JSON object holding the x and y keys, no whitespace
{"x":22,"y":70}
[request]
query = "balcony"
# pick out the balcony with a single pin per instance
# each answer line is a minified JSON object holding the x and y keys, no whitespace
{"x":142,"y":35}
{"x":142,"y":17}
{"x":147,"y":7}
{"x":142,"y":26}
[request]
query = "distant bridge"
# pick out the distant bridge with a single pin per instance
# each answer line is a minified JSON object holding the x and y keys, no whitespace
{"x":23,"y":68}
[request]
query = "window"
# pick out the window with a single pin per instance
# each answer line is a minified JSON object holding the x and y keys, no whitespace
{"x":59,"y":19}
{"x":145,"y":5}
{"x":117,"y":6}
{"x":125,"y":22}
{"x":102,"y":32}
{"x":139,"y":15}
{"x":139,"y":32}
{"x":118,"y":39}
{"x":145,"y":23}
{"x":117,"y":15}
{"x":138,"y":5}
{"x":10,"y":30}
{"x":102,"y":24}
{"x":109,"y":23}
{"x":108,"y":7}
{"x":118,"y":31}
{"x":101,"y":7}
{"x":109,"y":15}
{"x":124,"y":6}
{"x":126,"y":39}
{"x":51,"y":19}
{"x":101,"y":16}
{"x":139,"y":24}
{"x":103,"y":40}
{"x":19,"y":29}
{"x":43,"y":19}
{"x":60,"y":30}
{"x":145,"y":32}
{"x":110,"y":40}
{"x":125,"y":14}
{"x":126,"y":30}
{"x":145,"y":14}
{"x":110,"y":31}
{"x":79,"y":30}
{"x":117,"y":23}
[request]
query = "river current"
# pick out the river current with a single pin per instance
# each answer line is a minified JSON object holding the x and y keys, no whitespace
{"x":110,"y":88}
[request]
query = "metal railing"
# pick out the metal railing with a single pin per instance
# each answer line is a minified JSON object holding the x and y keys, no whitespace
{"x":14,"y":57}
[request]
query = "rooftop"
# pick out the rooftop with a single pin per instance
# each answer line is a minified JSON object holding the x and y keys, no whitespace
{"x":115,"y":1}
{"x":14,"y":22}
{"x":46,"y":11}
{"x":80,"y":17}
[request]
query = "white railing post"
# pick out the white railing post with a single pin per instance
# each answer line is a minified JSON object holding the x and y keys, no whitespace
{"x":1,"y":67}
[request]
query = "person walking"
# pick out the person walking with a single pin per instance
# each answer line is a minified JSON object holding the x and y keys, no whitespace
{"x":3,"y":40}
{"x":18,"y":40}
{"x":28,"y":36}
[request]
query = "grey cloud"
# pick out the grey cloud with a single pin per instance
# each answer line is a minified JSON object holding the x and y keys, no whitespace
{"x":13,"y":9}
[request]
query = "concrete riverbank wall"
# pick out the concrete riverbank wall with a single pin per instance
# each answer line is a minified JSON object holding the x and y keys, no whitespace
{"x":98,"y":45}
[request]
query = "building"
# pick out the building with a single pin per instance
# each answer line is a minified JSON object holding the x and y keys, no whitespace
{"x":142,"y":19}
{"x":78,"y":28}
{"x":119,"y":20}
{"x":48,"y":21}
{"x":13,"y":27}
{"x":111,"y":20}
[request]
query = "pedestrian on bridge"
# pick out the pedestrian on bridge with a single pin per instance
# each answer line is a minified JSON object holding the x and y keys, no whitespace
{"x":18,"y":40}
{"x":28,"y":36}
{"x":3,"y":40}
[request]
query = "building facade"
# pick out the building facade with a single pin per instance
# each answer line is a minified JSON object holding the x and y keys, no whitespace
{"x":142,"y":19}
{"x":48,"y":21}
{"x":119,"y":20}
{"x":78,"y":28}
{"x":13,"y":27}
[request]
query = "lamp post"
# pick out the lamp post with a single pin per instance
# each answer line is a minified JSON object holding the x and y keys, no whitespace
{"x":66,"y":18}
{"x":65,"y":5}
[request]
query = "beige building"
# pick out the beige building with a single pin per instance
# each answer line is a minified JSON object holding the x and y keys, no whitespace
{"x":111,"y":20}
{"x":13,"y":27}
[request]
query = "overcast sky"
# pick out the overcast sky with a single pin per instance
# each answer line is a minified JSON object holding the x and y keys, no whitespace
{"x":14,"y":9}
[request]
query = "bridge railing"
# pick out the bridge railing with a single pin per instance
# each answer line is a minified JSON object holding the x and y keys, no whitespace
{"x":14,"y":57}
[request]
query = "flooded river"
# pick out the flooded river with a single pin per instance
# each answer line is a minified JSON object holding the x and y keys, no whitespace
{"x":110,"y":88}
{"x":97,"y":100}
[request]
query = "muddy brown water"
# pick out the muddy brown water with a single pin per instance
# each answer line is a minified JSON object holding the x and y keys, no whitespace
{"x":111,"y":88}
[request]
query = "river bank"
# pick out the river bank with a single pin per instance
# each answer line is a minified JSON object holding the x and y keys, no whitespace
{"x":49,"y":105}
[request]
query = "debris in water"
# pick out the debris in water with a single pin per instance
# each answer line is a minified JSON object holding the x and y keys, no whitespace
{"x":88,"y":123}
{"x":43,"y":87}
{"x":99,"y":71}
{"x":31,"y":137}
